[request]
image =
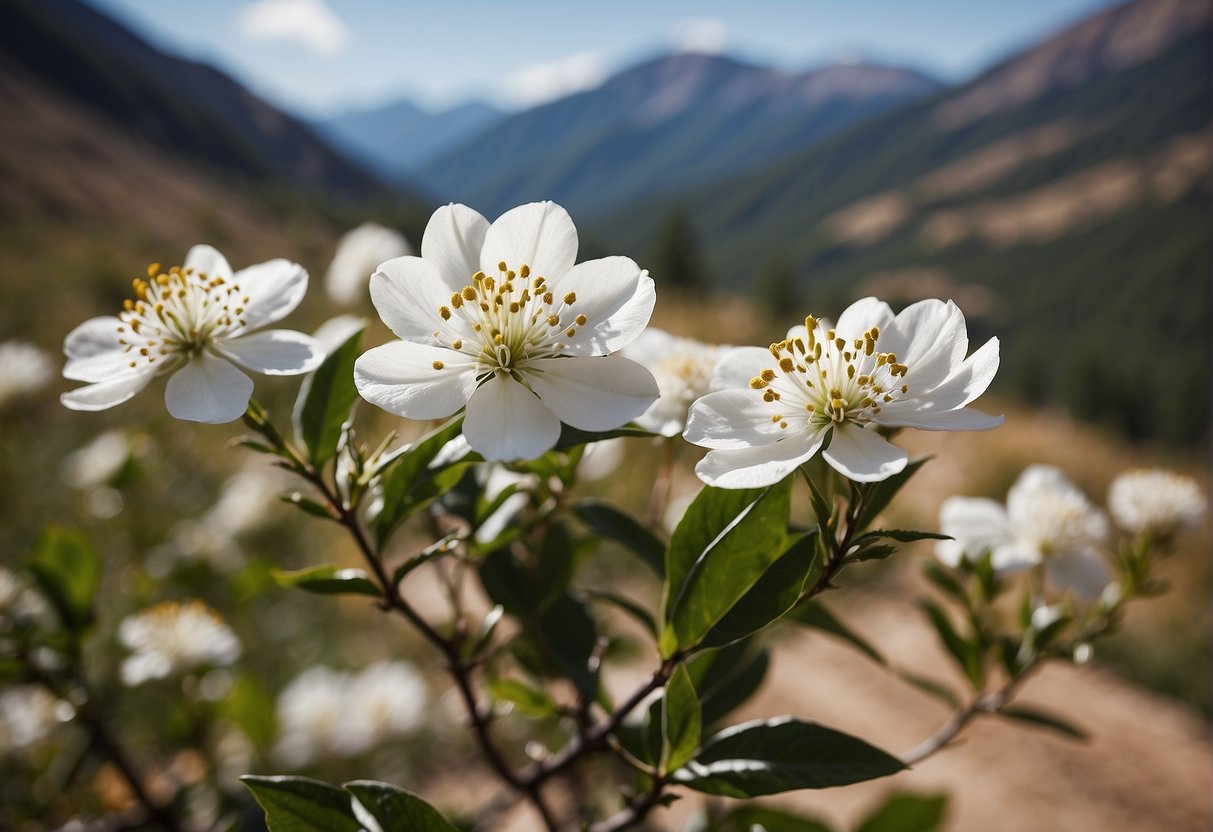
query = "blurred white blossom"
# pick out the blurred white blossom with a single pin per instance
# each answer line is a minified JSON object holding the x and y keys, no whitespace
{"x":601,"y":459}
{"x":18,"y":599}
{"x":28,"y":714}
{"x":683,"y":368}
{"x":98,"y":462}
{"x":325,"y":712}
{"x":359,"y":253}
{"x":1046,"y":520}
{"x":173,"y":637}
{"x":24,"y":369}
{"x":1155,"y":501}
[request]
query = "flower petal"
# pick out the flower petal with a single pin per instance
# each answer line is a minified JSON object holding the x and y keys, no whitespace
{"x":731,"y":419}
{"x":965,"y":384}
{"x":1015,"y":556}
{"x":615,"y":296}
{"x":106,"y":394}
{"x":409,"y":293}
{"x":757,"y":467}
{"x":962,"y":419}
{"x":453,"y":240}
{"x":739,"y":365}
{"x":207,"y":260}
{"x":96,"y":336}
{"x":861,"y":316}
{"x":863,"y":455}
{"x":275,"y":352}
{"x":208,"y":389}
{"x":1085,"y":572}
{"x":975,"y":524}
{"x":540,"y":234}
{"x":505,"y":421}
{"x":401,"y":378}
{"x":274,"y":288}
{"x":593,"y":393}
{"x":930,"y":337}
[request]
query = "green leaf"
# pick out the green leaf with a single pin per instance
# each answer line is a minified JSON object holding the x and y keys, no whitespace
{"x":816,"y":614}
{"x":329,"y":580}
{"x":775,"y":594}
{"x":571,"y":437}
{"x":626,"y":604}
{"x":308,"y":505}
{"x":720,"y":549}
{"x":780,"y":755}
{"x":901,"y":536}
{"x":1043,"y":719}
{"x":525,"y":699}
{"x":410,"y":482}
{"x":680,"y":720}
{"x":880,"y":494}
{"x":251,"y":707}
{"x":68,"y":571}
{"x":397,"y":810}
{"x":871,"y":551}
{"x":325,"y":401}
{"x":727,"y":678}
{"x":965,"y":653}
{"x":613,"y":524}
{"x":929,"y":686}
{"x":750,"y":818}
{"x":908,"y":813}
{"x":946,"y":582}
{"x":568,"y":636}
{"x":300,"y":804}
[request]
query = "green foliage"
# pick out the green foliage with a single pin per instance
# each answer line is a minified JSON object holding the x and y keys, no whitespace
{"x":967,"y":653}
{"x":904,"y":812}
{"x":1042,"y":719}
{"x":397,"y":810}
{"x":773,"y":596}
{"x":526,"y":700}
{"x":68,"y":571}
{"x":681,"y":720}
{"x":412,"y":481}
{"x":815,"y":614}
{"x":772,"y":756}
{"x":613,"y":524}
{"x":728,"y":677}
{"x":300,"y":804}
{"x":325,"y":401}
{"x":724,"y":543}
{"x":676,"y":260}
{"x":329,"y":580}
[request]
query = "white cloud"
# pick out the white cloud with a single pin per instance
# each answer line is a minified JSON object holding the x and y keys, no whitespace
{"x":539,"y":83}
{"x":705,"y":35}
{"x":310,"y":23}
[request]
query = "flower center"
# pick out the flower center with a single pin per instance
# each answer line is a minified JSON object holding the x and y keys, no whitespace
{"x":507,"y":322}
{"x":176,"y":313}
{"x":684,"y":375}
{"x":823,"y":379}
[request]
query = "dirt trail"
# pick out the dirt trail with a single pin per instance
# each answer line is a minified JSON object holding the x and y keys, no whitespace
{"x":1147,"y":765}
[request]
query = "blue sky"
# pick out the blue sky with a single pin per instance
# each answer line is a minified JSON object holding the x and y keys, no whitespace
{"x":321,"y":56}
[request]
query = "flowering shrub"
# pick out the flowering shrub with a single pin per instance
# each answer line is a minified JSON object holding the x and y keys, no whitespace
{"x":537,"y":368}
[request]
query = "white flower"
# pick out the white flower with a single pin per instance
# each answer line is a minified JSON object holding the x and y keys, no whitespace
{"x":98,"y":462}
{"x":498,"y":318}
{"x":1046,"y":520}
{"x":24,"y":369}
{"x":1157,"y":501}
{"x":174,"y":637}
{"x":334,"y":332}
{"x":386,"y":701}
{"x":359,"y":253}
{"x":18,"y":599}
{"x":683,"y":368}
{"x":838,"y":384}
{"x":601,"y":459}
{"x":311,"y":712}
{"x":28,"y":714}
{"x":327,"y":712}
{"x":195,"y":322}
